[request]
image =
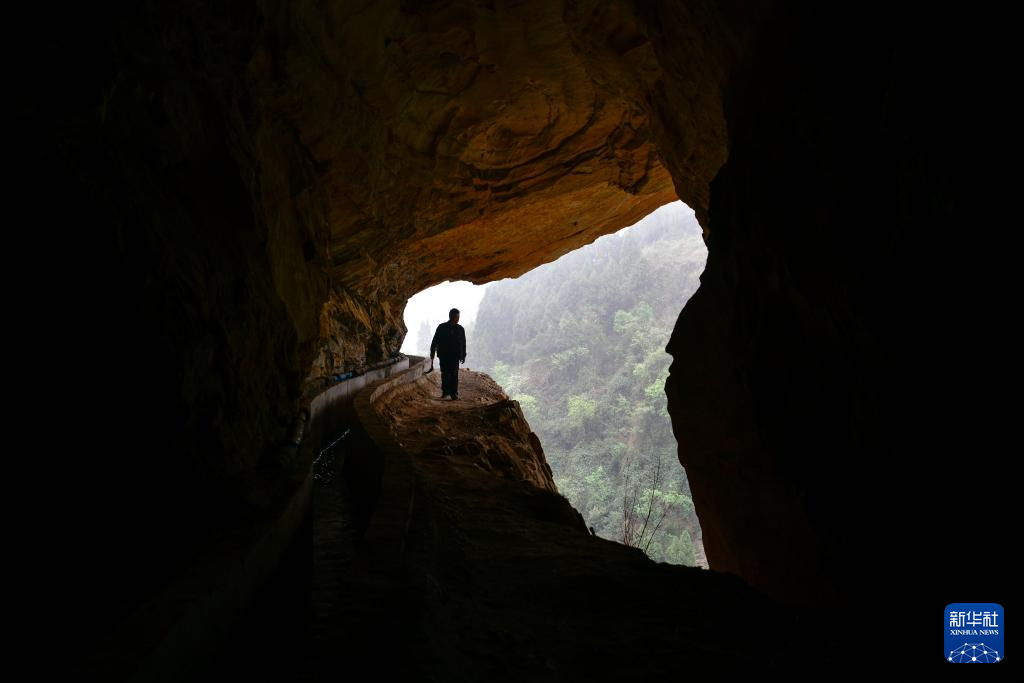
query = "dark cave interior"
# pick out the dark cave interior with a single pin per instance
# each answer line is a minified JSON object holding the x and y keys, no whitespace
{"x":225,"y":206}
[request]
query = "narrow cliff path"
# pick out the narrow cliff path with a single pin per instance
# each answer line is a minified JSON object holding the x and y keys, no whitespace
{"x":501,"y":581}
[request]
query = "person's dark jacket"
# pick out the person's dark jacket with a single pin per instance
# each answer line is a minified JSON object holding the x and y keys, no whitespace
{"x":449,"y":341}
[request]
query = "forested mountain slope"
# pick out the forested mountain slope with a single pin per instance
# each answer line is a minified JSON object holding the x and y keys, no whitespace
{"x":580,"y":344}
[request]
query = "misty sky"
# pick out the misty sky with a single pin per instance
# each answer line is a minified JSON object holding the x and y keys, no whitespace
{"x":433,"y":304}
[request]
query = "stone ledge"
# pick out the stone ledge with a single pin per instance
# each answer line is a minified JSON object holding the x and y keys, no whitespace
{"x":385,"y":537}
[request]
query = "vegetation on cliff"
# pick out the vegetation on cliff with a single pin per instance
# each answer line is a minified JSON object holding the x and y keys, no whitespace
{"x":580,"y":343}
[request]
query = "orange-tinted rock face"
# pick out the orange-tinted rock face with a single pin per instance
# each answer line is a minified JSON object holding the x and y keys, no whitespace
{"x":465,"y":141}
{"x":484,"y":432}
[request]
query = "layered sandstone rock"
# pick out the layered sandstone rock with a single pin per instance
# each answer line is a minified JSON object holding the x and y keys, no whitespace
{"x":473,"y":141}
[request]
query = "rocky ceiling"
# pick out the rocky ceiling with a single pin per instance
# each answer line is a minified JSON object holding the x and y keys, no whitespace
{"x":474,"y":141}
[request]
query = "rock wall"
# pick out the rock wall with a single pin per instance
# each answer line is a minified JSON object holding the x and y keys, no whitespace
{"x":175,"y":309}
{"x":790,"y":358}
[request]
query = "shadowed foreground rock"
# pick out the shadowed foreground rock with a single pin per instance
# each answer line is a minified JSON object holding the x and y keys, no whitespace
{"x":499,"y":579}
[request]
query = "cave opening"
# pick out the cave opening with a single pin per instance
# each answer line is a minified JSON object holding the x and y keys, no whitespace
{"x":580,"y":343}
{"x":252,"y":192}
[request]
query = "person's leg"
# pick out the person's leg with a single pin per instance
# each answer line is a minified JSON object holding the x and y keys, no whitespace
{"x":448,"y":386}
{"x":450,"y":377}
{"x":444,"y":378}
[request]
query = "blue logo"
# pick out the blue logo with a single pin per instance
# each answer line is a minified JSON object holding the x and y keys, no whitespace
{"x":974,"y":633}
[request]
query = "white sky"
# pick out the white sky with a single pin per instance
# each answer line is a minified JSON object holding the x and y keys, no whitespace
{"x":433,"y":304}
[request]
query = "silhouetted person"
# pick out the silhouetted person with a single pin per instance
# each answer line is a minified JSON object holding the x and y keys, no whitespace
{"x":450,"y":344}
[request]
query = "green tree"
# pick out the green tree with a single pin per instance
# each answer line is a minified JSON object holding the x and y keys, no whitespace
{"x":643,"y":511}
{"x":680,"y":550}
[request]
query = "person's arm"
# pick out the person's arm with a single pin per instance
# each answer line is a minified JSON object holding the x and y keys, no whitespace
{"x":462,"y":344}
{"x":433,"y":343}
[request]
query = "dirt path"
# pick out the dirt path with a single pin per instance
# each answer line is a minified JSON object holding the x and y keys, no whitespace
{"x":422,"y":418}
